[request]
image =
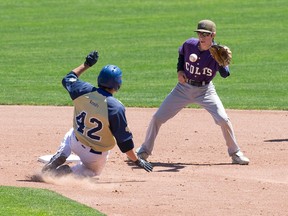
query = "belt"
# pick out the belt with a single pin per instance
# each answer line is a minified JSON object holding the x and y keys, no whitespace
{"x":196,"y":83}
{"x":91,"y":150}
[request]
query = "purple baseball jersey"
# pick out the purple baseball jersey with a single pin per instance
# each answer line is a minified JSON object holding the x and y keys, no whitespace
{"x":204,"y":68}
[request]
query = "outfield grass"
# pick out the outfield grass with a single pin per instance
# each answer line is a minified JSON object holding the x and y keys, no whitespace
{"x":29,"y":201}
{"x":41,"y":41}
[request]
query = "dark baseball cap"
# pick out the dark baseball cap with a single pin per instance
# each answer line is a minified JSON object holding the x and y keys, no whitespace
{"x":206,"y":26}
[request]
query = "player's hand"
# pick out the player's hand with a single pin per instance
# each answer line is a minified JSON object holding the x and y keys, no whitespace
{"x":91,"y":58}
{"x":181,"y":77}
{"x":144,"y":164}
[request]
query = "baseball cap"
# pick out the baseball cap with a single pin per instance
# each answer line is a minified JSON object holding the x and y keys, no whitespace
{"x":206,"y":26}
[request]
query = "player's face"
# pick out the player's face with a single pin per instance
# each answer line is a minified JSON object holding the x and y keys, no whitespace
{"x":205,"y":39}
{"x":203,"y":34}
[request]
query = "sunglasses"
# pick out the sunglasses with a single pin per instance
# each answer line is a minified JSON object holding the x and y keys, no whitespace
{"x":203,"y":34}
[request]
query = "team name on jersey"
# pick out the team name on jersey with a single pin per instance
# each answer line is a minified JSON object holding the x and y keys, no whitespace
{"x":94,"y":103}
{"x":197,"y":71}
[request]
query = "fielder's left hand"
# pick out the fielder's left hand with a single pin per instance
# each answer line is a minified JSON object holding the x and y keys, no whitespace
{"x":91,"y":58}
{"x":144,"y":164}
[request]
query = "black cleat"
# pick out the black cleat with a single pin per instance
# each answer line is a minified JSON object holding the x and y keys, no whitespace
{"x":55,"y":161}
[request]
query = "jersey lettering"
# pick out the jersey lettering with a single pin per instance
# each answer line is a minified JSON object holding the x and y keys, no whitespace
{"x":80,"y":122}
{"x":196,"y":70}
{"x":91,"y":133}
{"x":207,"y":71}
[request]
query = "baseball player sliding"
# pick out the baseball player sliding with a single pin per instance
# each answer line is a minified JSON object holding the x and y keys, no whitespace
{"x":196,"y":68}
{"x":99,"y":123}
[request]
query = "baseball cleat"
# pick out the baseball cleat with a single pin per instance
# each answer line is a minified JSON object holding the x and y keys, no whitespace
{"x":239,"y":158}
{"x":55,"y":161}
{"x":142,"y":155}
{"x":62,"y":170}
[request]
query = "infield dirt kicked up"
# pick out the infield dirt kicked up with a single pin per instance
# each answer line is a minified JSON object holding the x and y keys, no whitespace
{"x":193,"y":174}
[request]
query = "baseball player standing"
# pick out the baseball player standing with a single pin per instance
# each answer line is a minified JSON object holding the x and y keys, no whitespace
{"x":99,"y":123}
{"x":195,"y":86}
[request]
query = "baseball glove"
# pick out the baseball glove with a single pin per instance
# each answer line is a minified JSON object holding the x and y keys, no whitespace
{"x":221,"y":54}
{"x":91,"y":58}
{"x":144,"y":164}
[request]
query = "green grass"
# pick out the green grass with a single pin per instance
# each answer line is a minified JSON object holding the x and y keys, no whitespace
{"x":41,"y":41}
{"x":28,"y":201}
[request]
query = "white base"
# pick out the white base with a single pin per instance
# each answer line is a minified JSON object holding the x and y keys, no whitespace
{"x":46,"y":158}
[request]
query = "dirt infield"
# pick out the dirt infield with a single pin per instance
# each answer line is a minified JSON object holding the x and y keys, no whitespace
{"x":193,"y":174}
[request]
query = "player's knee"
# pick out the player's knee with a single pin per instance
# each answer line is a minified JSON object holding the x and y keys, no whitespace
{"x":223,"y":122}
{"x":159,"y":119}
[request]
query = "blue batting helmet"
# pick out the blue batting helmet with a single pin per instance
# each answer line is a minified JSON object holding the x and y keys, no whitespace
{"x":110,"y":76}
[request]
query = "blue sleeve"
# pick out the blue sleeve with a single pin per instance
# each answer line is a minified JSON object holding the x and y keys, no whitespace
{"x":76,"y":87}
{"x":126,"y":146}
{"x":118,"y":125}
{"x":224,"y":71}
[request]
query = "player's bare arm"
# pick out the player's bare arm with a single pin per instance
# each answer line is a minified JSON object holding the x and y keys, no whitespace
{"x":132,"y":156}
{"x":80,"y":69}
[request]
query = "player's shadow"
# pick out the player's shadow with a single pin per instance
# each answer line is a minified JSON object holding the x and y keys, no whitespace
{"x":276,"y":140}
{"x":176,"y":167}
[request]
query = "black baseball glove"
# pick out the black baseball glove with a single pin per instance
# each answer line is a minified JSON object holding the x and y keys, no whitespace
{"x":144,"y":164}
{"x":91,"y":58}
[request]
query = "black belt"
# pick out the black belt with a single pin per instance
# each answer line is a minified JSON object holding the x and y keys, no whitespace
{"x":196,"y":83}
{"x":91,"y":150}
{"x":95,"y":152}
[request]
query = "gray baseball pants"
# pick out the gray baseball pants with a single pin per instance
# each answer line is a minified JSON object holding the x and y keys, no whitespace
{"x":181,"y":96}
